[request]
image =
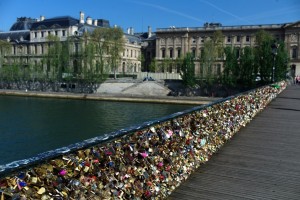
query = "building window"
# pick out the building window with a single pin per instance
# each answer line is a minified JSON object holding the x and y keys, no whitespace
{"x":202,"y":39}
{"x":237,"y":50}
{"x":218,"y":69}
{"x":42,"y":49}
{"x":294,"y":52}
{"x":35,"y":49}
{"x":247,"y":38}
{"x":42,"y":34}
{"x":163,"y":53}
{"x":56,"y":33}
{"x":228,"y":39}
{"x":194,"y":52}
{"x":63,"y":32}
{"x":171,"y":53}
{"x":27,"y":49}
{"x":14,"y":50}
{"x":35,"y":34}
{"x":238,"y":38}
{"x":49,"y":32}
{"x":202,"y":52}
{"x":178,"y":53}
{"x":193,"y":40}
{"x":131,"y":53}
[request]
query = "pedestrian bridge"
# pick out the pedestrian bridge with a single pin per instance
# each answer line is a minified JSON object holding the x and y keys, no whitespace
{"x":262,"y":161}
{"x":166,"y":158}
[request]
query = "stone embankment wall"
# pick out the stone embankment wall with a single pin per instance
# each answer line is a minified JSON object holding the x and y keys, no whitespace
{"x":145,"y":164}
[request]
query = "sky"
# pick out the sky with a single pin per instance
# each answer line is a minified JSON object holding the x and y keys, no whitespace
{"x":140,"y":14}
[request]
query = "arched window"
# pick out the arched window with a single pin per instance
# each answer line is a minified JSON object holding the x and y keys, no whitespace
{"x":294,"y":52}
{"x":171,"y":52}
{"x":178,"y":52}
{"x":123,"y":67}
{"x":163,"y":53}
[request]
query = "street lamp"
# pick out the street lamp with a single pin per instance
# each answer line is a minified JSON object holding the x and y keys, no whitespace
{"x":274,"y":47}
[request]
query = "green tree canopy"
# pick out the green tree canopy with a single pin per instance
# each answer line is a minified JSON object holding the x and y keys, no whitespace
{"x":116,"y":45}
{"x":188,"y":70}
{"x":212,"y":50}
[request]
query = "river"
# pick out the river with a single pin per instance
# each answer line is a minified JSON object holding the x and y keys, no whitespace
{"x":29,"y":126}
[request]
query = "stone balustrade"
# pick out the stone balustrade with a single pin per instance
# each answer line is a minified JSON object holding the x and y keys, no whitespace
{"x":147,"y":162}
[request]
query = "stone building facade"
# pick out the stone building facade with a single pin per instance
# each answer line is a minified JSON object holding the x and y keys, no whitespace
{"x":28,"y":38}
{"x":175,"y":42}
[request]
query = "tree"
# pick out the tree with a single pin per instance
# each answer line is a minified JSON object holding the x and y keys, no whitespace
{"x":231,"y":67}
{"x":4,"y":48}
{"x":266,"y":59}
{"x":188,"y":70}
{"x":116,"y":45}
{"x":263,"y":56}
{"x":153,"y":65}
{"x":247,"y":69}
{"x":100,"y":38}
{"x":212,"y":50}
{"x":281,"y":61}
{"x":52,"y":58}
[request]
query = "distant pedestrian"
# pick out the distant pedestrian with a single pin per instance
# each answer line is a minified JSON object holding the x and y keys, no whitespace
{"x":297,"y":79}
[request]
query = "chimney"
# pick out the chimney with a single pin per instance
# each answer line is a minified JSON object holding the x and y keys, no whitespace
{"x":42,"y":18}
{"x":131,"y":31}
{"x":81,"y":19}
{"x":95,"y":22}
{"x":149,"y":31}
{"x":89,"y":21}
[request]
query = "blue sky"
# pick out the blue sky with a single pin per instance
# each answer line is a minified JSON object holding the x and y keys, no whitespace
{"x":140,"y":14}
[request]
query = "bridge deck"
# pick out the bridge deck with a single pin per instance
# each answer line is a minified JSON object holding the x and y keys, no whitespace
{"x":262,"y":161}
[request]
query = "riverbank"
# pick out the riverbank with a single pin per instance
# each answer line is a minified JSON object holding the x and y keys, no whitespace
{"x":113,"y":97}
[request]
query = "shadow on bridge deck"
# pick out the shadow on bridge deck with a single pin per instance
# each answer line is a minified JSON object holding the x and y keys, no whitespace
{"x":262,"y":161}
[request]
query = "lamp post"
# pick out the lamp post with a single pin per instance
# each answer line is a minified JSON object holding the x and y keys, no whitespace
{"x":274,"y":47}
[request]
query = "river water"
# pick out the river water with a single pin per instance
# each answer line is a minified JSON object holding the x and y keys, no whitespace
{"x":29,"y":126}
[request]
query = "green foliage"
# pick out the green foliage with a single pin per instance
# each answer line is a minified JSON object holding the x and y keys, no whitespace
{"x":4,"y":48}
{"x":100,"y":39}
{"x":188,"y":70}
{"x":153,"y":65}
{"x":266,"y":59}
{"x":247,"y":63}
{"x":281,"y":62}
{"x":231,"y":67}
{"x":212,"y":50}
{"x":116,"y":45}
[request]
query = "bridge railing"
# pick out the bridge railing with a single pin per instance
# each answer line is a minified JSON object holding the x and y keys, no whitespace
{"x":140,"y":162}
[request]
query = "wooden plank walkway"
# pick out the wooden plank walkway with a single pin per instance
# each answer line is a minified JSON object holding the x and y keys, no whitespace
{"x":262,"y":161}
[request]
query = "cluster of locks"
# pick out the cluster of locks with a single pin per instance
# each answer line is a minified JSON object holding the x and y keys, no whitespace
{"x":147,"y":164}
